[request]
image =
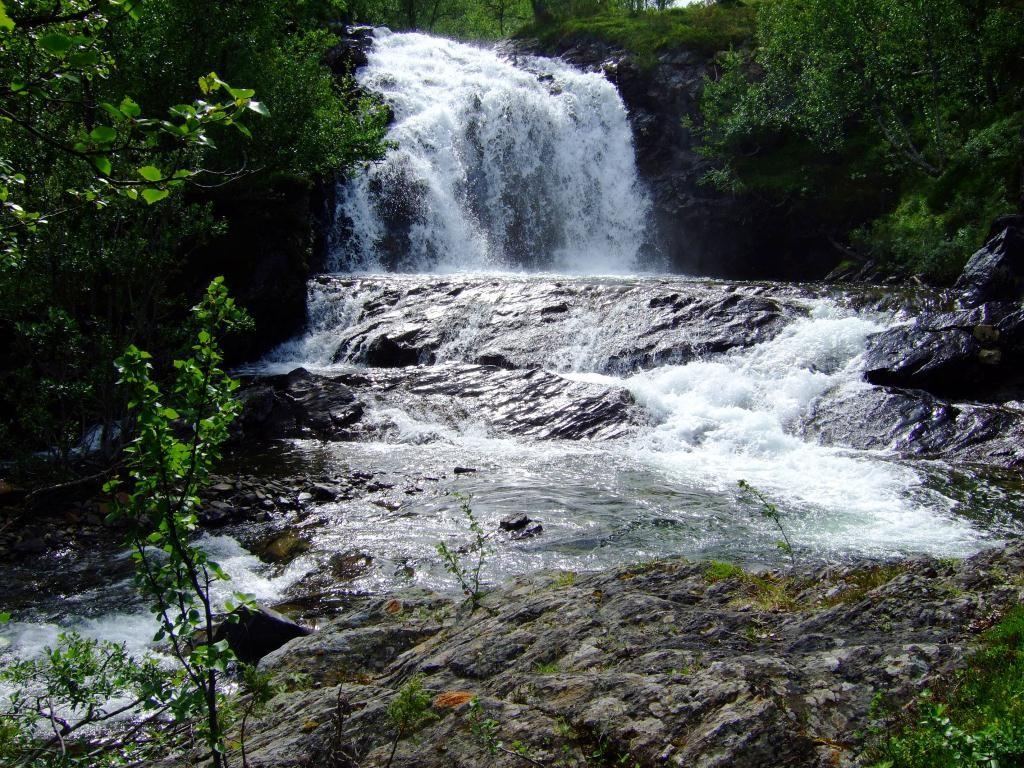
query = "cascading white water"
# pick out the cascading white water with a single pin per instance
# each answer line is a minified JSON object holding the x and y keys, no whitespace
{"x":496,"y":166}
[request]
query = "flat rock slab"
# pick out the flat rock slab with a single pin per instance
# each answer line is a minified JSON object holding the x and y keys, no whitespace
{"x":654,"y":664}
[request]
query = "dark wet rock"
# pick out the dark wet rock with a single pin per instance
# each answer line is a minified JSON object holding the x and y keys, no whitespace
{"x":650,"y":662}
{"x":30,"y":546}
{"x":514,"y":522}
{"x":603,"y":325}
{"x":324,"y":492}
{"x":350,"y":52}
{"x":252,"y":633}
{"x":298,"y":404}
{"x":974,"y":353}
{"x":527,"y":403}
{"x":464,"y":470}
{"x":346,"y":566}
{"x":530,"y":403}
{"x":282,"y":548}
{"x":217,"y":513}
{"x":996,"y":272}
{"x":521,"y":527}
{"x":915,"y":423}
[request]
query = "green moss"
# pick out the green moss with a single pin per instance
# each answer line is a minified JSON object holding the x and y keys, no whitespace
{"x":979,"y":720}
{"x":701,"y":28}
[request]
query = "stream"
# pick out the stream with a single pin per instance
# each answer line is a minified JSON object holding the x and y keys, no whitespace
{"x":496,"y":311}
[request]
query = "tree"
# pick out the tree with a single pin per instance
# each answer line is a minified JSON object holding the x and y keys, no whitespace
{"x":926,"y":93}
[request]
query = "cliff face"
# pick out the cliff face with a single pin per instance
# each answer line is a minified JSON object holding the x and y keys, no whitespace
{"x":701,"y":230}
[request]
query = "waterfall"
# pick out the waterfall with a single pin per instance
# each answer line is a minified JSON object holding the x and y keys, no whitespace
{"x":496,"y":165}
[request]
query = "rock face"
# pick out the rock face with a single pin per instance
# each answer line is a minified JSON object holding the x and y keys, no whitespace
{"x":664,"y":664}
{"x":298,"y":405}
{"x":973,"y":353}
{"x":996,"y":272}
{"x":915,"y":423}
{"x":702,"y":230}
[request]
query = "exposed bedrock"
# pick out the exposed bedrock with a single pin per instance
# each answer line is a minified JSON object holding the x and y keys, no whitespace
{"x":574,"y":325}
{"x":356,"y":406}
{"x":915,"y":423}
{"x":653,"y":662}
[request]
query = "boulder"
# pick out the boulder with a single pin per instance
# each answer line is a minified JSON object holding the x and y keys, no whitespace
{"x":252,"y":633}
{"x":996,"y":272}
{"x":298,"y":404}
{"x":973,"y":353}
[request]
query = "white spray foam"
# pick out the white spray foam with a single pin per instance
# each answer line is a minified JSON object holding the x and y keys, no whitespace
{"x":737,"y":417}
{"x":495,"y":167}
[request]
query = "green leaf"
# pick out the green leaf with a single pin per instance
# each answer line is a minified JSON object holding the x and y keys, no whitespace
{"x":259,"y":108}
{"x":130,"y":108}
{"x":83,"y":59}
{"x":103,"y":134}
{"x":6,"y":22}
{"x":151,"y":195}
{"x":150,"y":173}
{"x":103,"y":164}
{"x":113,"y":111}
{"x":241,"y":93}
{"x":4,"y":616}
{"x":55,"y":43}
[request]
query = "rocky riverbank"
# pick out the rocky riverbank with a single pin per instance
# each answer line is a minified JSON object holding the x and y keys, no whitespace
{"x":664,"y":663}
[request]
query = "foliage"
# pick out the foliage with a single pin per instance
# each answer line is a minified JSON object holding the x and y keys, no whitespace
{"x":979,"y":721}
{"x":466,"y":563}
{"x":116,"y":140}
{"x":929,"y":92}
{"x":703,"y":27}
{"x":485,"y":731}
{"x":169,"y":461}
{"x":257,"y":688}
{"x":717,"y":571}
{"x":74,"y":686}
{"x":408,"y":712}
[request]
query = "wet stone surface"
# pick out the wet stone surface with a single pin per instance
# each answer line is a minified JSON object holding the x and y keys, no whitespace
{"x":660,"y":662}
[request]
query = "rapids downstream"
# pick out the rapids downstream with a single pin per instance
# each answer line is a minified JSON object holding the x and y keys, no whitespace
{"x":495,"y":325}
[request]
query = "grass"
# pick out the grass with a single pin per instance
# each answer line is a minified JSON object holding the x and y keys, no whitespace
{"x":547,"y":668}
{"x":978,"y":720}
{"x":717,"y":571}
{"x":565,"y":579}
{"x":701,"y":28}
{"x":767,"y":592}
